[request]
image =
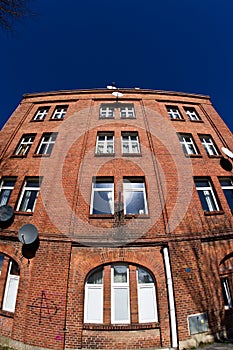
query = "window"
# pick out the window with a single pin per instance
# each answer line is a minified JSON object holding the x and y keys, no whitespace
{"x":209,"y":145}
{"x":46,"y":143}
{"x":106,"y":111}
{"x":227,"y":187}
{"x":6,"y":187}
{"x":24,"y":145}
{"x":198,"y":323}
{"x":59,"y":112}
{"x":102,"y":197}
{"x":29,"y":194}
{"x":191,"y":113}
{"x":226,"y":293}
{"x":9,"y":278}
{"x":147,"y":310}
{"x":135,"y":196}
{"x":94,"y":297}
{"x":130,"y":143}
{"x":174,"y":112}
{"x":127,"y":111}
{"x":105,"y":143}
{"x":120,"y":278}
{"x":188,"y":144}
{"x":206,"y":194}
{"x":120,"y":294}
{"x":41,"y":113}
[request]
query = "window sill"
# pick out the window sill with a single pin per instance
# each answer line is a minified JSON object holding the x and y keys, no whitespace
{"x":101,"y":216}
{"x":25,"y":213}
{"x":215,"y":156}
{"x":137,"y":216}
{"x":128,"y":118}
{"x":177,"y":120}
{"x":55,"y":119}
{"x":122,"y":327}
{"x":196,"y":121}
{"x":7,"y":313}
{"x":18,"y":156}
{"x":131,"y":154}
{"x":37,"y":120}
{"x":215,"y":212}
{"x":41,"y":155}
{"x":104,"y":154}
{"x":193,"y":155}
{"x":106,"y":118}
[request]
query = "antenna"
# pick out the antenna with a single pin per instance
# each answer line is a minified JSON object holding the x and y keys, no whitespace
{"x":117,"y":93}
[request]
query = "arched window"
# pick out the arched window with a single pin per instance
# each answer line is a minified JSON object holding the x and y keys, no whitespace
{"x":9,"y":282}
{"x":147,"y":309}
{"x":94,"y":297}
{"x":125,"y":285}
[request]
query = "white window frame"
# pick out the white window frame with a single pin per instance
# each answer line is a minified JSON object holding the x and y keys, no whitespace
{"x":104,"y":189}
{"x":59,"y":112}
{"x":186,"y":144}
{"x":128,"y":188}
{"x":226,"y":290}
{"x":140,"y":287}
{"x":226,"y":187}
{"x":209,"y":145}
{"x":130,"y":143}
{"x":106,"y":112}
{"x":8,"y":188}
{"x":207,"y":190}
{"x":10,"y":278}
{"x":51,"y":141}
{"x":41,"y":113}
{"x":93,"y":287}
{"x":191,"y":113}
{"x":28,"y":188}
{"x":114,"y":287}
{"x":24,"y":145}
{"x":174,"y":113}
{"x":127,"y":112}
{"x":105,"y":143}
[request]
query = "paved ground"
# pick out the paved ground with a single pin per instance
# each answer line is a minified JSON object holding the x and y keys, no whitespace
{"x":217,"y":346}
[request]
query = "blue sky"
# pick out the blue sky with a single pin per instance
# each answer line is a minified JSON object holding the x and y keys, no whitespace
{"x":182,"y":45}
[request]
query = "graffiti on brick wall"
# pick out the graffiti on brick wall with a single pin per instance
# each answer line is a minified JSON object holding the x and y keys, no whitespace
{"x":44,"y":307}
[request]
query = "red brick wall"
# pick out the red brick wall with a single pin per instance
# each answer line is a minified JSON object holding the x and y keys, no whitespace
{"x":62,"y":218}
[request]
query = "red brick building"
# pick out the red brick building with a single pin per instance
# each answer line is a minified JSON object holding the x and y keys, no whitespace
{"x":132,"y":197}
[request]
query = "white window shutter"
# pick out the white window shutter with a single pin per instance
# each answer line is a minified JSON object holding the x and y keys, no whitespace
{"x":147,"y":303}
{"x":10,"y":293}
{"x":93,"y":304}
{"x":121,"y":308}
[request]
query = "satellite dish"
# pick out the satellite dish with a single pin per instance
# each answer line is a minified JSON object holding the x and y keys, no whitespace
{"x":28,"y":234}
{"x":227,"y":152}
{"x":111,"y":87}
{"x":6,"y":216}
{"x":117,"y":94}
